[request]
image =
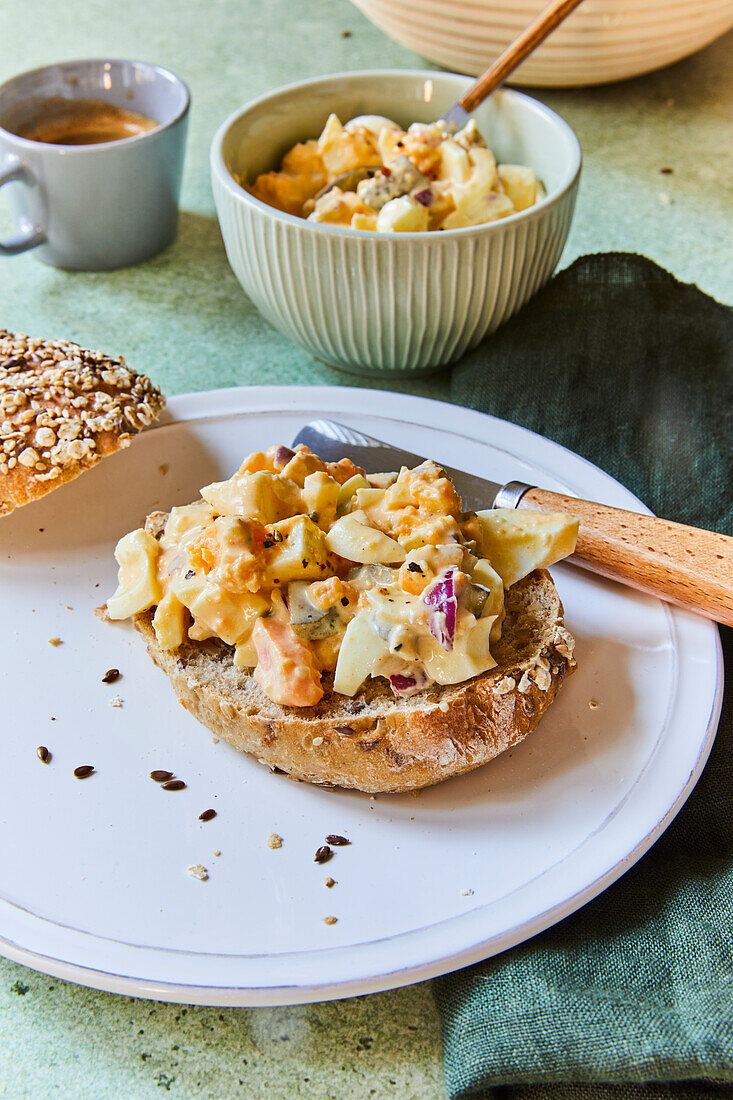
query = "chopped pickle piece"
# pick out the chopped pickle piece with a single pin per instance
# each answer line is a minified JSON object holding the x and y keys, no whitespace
{"x":308,"y":621}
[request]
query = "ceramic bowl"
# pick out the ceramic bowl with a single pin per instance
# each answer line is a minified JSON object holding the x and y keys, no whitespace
{"x":399,"y":303}
{"x":604,"y":40}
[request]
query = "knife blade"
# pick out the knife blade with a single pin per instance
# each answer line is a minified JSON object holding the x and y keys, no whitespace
{"x":333,"y":441}
{"x":683,"y":565}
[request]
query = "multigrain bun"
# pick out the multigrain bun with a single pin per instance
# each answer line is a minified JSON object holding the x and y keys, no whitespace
{"x":62,"y":409}
{"x":376,"y":742}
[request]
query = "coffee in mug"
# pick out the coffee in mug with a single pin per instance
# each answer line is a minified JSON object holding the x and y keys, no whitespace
{"x":61,"y":121}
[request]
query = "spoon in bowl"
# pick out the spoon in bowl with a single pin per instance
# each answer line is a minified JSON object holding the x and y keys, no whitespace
{"x":507,"y":61}
{"x":505,"y":64}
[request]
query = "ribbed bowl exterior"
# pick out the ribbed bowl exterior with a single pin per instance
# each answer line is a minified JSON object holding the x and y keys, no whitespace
{"x":377,"y":306}
{"x":380,"y":304}
{"x":602,"y":41}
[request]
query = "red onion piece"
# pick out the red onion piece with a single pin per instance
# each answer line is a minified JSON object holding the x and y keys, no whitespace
{"x":442,"y":599}
{"x":283,"y":456}
{"x":424,"y":197}
{"x":408,"y":685}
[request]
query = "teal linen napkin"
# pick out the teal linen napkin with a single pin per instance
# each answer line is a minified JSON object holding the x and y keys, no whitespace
{"x":633,"y":995}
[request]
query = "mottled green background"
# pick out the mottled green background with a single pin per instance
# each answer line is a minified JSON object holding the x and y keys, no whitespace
{"x":183,"y":319}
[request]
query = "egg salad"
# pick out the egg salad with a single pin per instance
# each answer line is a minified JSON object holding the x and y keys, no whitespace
{"x":371,"y":174}
{"x":308,"y":568}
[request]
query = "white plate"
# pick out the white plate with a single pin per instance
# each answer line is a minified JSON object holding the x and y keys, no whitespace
{"x":93,"y":875}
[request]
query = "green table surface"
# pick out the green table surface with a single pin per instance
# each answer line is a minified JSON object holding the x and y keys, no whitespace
{"x":183,"y":319}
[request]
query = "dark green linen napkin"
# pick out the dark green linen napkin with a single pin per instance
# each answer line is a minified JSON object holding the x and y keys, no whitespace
{"x":633,"y":995}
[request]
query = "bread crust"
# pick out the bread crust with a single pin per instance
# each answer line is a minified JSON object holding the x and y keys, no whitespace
{"x":63,"y":409}
{"x":375,"y":742}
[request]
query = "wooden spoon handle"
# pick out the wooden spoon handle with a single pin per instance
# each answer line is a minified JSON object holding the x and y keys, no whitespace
{"x":683,"y":565}
{"x":516,"y":51}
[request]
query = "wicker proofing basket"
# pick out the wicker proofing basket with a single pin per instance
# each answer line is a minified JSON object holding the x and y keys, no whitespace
{"x":604,"y":40}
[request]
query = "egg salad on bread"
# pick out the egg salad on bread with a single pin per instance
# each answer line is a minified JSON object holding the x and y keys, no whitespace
{"x":308,"y":567}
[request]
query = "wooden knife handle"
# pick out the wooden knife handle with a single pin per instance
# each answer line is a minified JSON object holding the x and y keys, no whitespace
{"x":683,"y":565}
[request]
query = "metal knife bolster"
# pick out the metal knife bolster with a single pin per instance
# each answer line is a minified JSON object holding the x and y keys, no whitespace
{"x":333,"y":441}
{"x":510,"y":494}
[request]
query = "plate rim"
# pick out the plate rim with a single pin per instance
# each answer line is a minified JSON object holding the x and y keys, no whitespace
{"x":227,"y":401}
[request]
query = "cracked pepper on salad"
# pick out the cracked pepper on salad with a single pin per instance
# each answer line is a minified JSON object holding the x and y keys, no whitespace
{"x":371,"y":174}
{"x":310,"y":568}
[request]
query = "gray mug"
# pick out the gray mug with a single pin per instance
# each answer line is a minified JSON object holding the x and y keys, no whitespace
{"x":94,"y":207}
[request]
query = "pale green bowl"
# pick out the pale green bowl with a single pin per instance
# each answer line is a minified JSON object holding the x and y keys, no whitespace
{"x":390,"y":304}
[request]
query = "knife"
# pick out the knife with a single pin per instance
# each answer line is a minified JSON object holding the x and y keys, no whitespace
{"x":682,"y":565}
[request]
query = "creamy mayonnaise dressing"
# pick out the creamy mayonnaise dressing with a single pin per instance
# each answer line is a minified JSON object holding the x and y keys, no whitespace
{"x":306,"y":567}
{"x":421,"y":179}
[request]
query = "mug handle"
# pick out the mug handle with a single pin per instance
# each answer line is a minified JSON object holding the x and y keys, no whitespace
{"x":13,"y":171}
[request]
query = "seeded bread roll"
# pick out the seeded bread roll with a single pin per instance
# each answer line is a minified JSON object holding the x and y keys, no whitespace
{"x":62,"y":409}
{"x":375,"y":742}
